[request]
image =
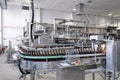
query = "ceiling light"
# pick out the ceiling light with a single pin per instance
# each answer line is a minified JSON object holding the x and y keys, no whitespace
{"x":109,"y":14}
{"x":28,"y":1}
{"x":74,"y":9}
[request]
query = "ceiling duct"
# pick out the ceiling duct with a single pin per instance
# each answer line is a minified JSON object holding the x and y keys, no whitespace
{"x":80,"y":9}
{"x":3,"y":4}
{"x":25,"y":4}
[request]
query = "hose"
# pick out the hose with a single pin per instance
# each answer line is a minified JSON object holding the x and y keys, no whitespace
{"x":32,"y":20}
{"x":24,"y":72}
{"x":21,"y":70}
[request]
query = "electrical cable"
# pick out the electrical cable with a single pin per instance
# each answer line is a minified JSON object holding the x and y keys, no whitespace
{"x":24,"y":72}
{"x":21,"y":70}
{"x":32,"y":20}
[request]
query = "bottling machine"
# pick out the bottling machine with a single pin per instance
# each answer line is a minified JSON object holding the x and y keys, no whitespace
{"x":67,"y":50}
{"x":51,"y":53}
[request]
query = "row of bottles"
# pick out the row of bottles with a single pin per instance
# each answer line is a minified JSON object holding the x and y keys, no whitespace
{"x":22,"y":49}
{"x":88,"y":51}
{"x":63,"y":51}
{"x":54,"y":52}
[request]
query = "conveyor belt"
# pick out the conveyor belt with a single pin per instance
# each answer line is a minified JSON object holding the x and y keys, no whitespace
{"x":54,"y":53}
{"x":57,"y":58}
{"x":42,"y":58}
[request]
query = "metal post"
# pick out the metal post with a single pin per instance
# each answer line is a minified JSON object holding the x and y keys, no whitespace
{"x":105,"y":75}
{"x":113,"y":75}
{"x":93,"y":76}
{"x":67,"y":29}
{"x":54,"y":29}
{"x":24,"y":77}
{"x":32,"y":72}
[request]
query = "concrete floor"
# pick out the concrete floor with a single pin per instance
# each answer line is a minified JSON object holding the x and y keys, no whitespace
{"x":11,"y":72}
{"x":8,"y":71}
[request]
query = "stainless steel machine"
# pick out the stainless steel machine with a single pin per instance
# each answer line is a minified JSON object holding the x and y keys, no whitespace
{"x":84,"y":55}
{"x":70,"y":72}
{"x":112,"y":57}
{"x":67,"y":50}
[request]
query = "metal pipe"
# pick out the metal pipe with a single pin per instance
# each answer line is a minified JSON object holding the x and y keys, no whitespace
{"x":69,"y":20}
{"x":54,"y":27}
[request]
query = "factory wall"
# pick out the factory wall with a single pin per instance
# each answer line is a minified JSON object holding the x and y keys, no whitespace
{"x":49,"y":15}
{"x":15,"y":16}
{"x":14,"y":19}
{"x":107,"y":21}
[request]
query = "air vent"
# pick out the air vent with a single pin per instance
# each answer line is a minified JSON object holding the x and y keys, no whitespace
{"x":80,"y":9}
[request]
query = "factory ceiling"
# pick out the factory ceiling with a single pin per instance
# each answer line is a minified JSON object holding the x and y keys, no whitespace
{"x":99,"y":7}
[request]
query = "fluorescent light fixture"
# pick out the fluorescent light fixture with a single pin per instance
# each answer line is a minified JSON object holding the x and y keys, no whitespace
{"x":74,"y":9}
{"x":109,"y":14}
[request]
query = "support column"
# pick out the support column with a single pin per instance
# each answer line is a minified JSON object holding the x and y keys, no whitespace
{"x":2,"y":27}
{"x":41,"y":15}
